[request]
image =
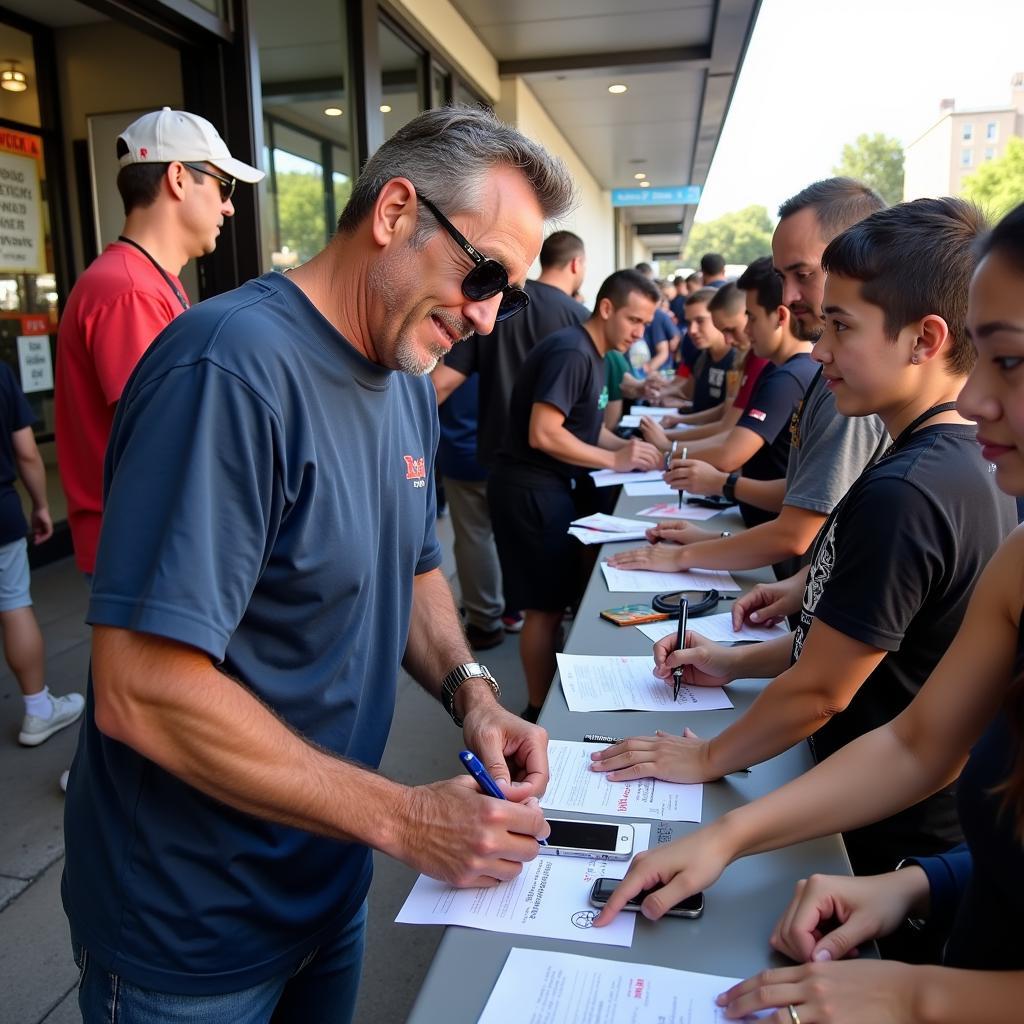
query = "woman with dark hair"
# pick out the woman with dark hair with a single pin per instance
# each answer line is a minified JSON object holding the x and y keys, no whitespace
{"x":967,"y":721}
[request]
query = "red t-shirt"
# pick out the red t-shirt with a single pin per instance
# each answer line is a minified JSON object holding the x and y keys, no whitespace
{"x":751,"y":371}
{"x":114,"y":312}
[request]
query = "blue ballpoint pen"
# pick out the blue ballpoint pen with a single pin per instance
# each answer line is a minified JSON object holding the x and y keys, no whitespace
{"x":482,"y":777}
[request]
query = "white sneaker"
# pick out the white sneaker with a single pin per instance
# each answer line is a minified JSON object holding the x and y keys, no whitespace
{"x":36,"y":730}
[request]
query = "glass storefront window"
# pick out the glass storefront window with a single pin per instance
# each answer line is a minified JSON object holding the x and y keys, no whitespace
{"x":19,"y":84}
{"x":308,"y":123}
{"x":402,"y":79}
{"x":440,"y":87}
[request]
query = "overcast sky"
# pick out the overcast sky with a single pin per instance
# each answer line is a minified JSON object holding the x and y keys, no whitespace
{"x":819,"y":72}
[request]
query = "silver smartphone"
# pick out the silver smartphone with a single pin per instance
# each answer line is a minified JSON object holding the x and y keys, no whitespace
{"x":692,"y":906}
{"x":601,"y":840}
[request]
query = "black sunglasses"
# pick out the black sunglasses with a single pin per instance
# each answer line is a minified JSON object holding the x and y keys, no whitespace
{"x":227,"y":185}
{"x":487,"y":277}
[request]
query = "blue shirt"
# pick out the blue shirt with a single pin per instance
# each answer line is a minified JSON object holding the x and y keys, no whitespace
{"x":268,"y":501}
{"x":660,"y":329}
{"x":15,"y":414}
{"x":710,"y":381}
{"x":456,"y":448}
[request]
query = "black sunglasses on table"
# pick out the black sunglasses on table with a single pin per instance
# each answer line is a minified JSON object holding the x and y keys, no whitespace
{"x":487,"y":277}
{"x":227,"y":185}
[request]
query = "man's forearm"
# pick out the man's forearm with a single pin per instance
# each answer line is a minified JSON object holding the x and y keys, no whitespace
{"x":787,"y":536}
{"x":437,"y":641}
{"x":685,"y":435}
{"x":765,"y":494}
{"x":33,"y":476}
{"x":168,"y":702}
{"x":786,"y":711}
{"x":563,"y":445}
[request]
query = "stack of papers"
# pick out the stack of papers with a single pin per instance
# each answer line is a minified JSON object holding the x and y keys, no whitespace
{"x":718,"y":628}
{"x":544,"y":987}
{"x":649,"y":488}
{"x":611,"y":478}
{"x":595,"y":682}
{"x":574,"y":787}
{"x":550,"y":897}
{"x":604,"y":529}
{"x":670,"y":510}
{"x":655,"y":412}
{"x":645,"y":581}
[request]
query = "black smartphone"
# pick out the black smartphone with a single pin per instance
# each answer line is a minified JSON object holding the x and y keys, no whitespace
{"x":711,"y":501}
{"x":692,"y":906}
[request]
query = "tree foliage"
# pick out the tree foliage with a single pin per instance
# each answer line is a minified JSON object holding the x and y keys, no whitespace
{"x":741,"y":237}
{"x":997,"y":186}
{"x":877,"y":161}
{"x":300,"y":212}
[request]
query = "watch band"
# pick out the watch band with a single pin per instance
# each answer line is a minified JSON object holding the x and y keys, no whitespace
{"x":729,"y":487}
{"x":457,"y":676}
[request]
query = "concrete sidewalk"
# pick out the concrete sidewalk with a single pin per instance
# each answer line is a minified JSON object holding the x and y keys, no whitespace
{"x":37,"y":974}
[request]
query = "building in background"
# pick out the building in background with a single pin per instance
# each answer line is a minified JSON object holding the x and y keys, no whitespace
{"x":958,"y":143}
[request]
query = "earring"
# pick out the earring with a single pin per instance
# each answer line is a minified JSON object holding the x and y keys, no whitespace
{"x":913,"y":359}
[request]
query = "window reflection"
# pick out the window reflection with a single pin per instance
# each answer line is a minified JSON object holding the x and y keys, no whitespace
{"x":308,"y":122}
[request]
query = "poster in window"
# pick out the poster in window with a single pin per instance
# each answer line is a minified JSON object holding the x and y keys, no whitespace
{"x":22,"y":249}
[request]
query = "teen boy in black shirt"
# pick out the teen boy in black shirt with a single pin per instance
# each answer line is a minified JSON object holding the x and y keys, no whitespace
{"x":555,"y":433}
{"x":895,"y":564}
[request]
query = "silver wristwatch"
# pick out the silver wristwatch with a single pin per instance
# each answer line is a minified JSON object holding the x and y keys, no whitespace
{"x":457,"y":676}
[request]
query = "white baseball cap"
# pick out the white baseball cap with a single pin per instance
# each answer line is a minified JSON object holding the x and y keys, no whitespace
{"x":167,"y":135}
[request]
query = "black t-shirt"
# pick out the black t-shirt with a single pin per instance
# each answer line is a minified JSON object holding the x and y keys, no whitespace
{"x":894,"y":567}
{"x":776,"y":395}
{"x":709,"y":387}
{"x":566,"y":371}
{"x":15,"y":414}
{"x":498,"y":356}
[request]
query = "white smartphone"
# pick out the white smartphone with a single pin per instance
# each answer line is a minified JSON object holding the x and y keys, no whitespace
{"x":598,"y":839}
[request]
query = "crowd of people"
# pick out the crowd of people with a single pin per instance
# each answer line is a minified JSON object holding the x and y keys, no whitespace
{"x":251,"y":494}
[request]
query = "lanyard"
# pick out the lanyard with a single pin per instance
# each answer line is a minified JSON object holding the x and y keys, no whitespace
{"x":935,"y":410}
{"x":163,"y":273}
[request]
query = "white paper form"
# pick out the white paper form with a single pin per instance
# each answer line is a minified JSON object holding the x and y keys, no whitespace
{"x":629,"y":421}
{"x":611,"y":524}
{"x":648,"y":489}
{"x":655,"y":412}
{"x":585,"y":536}
{"x":669,"y":510}
{"x":540,"y":986}
{"x":598,"y":682}
{"x":550,"y":898}
{"x":718,"y":628}
{"x":610,"y":478}
{"x":604,"y":529}
{"x":646,"y":581}
{"x":574,"y":787}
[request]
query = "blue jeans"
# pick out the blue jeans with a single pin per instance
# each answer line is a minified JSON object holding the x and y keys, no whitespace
{"x":321,"y":990}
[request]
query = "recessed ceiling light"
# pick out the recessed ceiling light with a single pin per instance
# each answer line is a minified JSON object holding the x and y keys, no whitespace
{"x":333,"y":111}
{"x":385,"y":108}
{"x":617,"y":88}
{"x":645,"y":184}
{"x":640,"y":175}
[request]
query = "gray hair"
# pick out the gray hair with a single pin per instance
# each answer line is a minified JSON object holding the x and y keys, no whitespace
{"x":446,"y":153}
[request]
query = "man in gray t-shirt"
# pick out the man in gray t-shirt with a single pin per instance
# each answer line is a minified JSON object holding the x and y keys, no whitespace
{"x":829,"y":451}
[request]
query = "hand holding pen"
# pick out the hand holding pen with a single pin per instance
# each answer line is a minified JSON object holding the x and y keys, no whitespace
{"x":677,"y":672}
{"x":483,"y":779}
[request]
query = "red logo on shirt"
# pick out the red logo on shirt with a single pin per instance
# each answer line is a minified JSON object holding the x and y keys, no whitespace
{"x":415,"y":469}
{"x":143,"y":151}
{"x":757,"y":414}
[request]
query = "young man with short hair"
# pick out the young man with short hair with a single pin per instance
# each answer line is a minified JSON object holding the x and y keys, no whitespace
{"x":712,"y":270}
{"x":555,"y":434}
{"x":828,"y":450}
{"x":893,"y":568}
